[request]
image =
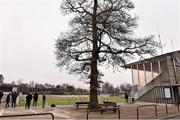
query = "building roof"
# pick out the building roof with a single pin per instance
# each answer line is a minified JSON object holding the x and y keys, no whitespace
{"x":155,"y":58}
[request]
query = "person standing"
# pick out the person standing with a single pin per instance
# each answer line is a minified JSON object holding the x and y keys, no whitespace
{"x":13,"y":99}
{"x":126,"y":97}
{"x":8,"y":100}
{"x":43,"y":99}
{"x":1,"y":95}
{"x":35,"y":99}
{"x":28,"y":100}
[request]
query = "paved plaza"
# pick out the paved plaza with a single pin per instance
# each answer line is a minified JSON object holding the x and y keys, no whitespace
{"x":127,"y":111}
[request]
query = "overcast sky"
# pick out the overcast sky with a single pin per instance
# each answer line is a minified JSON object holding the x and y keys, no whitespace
{"x":28,"y":29}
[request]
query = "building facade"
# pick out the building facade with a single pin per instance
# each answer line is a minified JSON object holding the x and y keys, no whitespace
{"x":157,"y":79}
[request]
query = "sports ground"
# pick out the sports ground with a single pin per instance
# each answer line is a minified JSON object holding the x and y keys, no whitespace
{"x":127,"y":111}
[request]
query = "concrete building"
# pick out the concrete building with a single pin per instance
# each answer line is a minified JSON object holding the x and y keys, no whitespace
{"x":157,"y":79}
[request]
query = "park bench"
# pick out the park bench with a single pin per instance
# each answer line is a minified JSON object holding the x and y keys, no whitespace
{"x":107,"y":106}
{"x":104,"y":106}
{"x":107,"y":102}
{"x":77,"y":104}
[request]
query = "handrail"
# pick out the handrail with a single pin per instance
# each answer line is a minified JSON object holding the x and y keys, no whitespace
{"x":146,"y":106}
{"x":144,"y":93}
{"x":167,"y":112}
{"x":20,"y":115}
{"x":153,"y":88}
{"x":101,"y":109}
{"x":149,"y":86}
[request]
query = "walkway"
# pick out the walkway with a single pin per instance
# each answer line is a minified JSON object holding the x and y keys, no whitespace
{"x":70,"y":112}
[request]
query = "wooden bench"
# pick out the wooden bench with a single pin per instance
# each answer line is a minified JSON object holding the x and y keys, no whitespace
{"x":77,"y":104}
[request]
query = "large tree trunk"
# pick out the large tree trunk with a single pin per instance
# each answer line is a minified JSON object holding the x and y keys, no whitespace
{"x":94,"y":70}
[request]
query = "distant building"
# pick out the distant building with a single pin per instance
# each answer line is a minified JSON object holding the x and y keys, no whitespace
{"x":157,"y":79}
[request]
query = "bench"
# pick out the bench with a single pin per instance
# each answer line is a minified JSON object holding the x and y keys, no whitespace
{"x":77,"y":104}
{"x":104,"y":107}
{"x":107,"y":106}
{"x":107,"y":102}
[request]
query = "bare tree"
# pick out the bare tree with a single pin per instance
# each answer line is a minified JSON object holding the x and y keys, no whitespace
{"x":126,"y":88}
{"x":108,"y":88}
{"x":13,"y":82}
{"x":31,"y":84}
{"x":101,"y":34}
{"x":19,"y":81}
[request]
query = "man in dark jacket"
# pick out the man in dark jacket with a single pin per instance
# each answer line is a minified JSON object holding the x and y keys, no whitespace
{"x":1,"y":95}
{"x":28,"y":100}
{"x":35,"y":99}
{"x":8,"y":100}
{"x":126,"y":97}
{"x":13,"y":99}
{"x":43,"y":99}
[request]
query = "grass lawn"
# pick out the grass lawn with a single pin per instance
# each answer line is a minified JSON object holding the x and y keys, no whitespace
{"x":57,"y":100}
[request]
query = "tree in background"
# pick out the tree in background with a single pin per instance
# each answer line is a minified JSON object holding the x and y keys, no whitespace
{"x":70,"y":89}
{"x":101,"y":34}
{"x":19,"y":82}
{"x":13,"y":82}
{"x":49,"y":85}
{"x":1,"y":79}
{"x":31,"y":84}
{"x":105,"y":87}
{"x":108,"y":88}
{"x":126,"y":88}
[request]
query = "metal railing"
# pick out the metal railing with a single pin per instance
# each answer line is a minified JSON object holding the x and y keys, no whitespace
{"x":22,"y":115}
{"x":167,"y":112}
{"x":155,"y":108}
{"x":172,"y":117}
{"x":102,"y":109}
{"x":149,"y":86}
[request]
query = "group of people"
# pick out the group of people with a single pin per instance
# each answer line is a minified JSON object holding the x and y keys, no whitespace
{"x":126,"y":96}
{"x":29,"y":97}
{"x":12,"y":97}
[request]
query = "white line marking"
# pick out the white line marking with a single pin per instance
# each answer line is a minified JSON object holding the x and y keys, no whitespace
{"x":62,"y":115}
{"x":33,"y":111}
{"x":1,"y":112}
{"x":64,"y":111}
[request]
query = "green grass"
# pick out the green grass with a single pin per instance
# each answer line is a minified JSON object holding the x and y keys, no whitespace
{"x":71,"y":100}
